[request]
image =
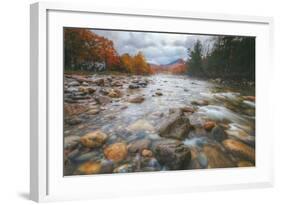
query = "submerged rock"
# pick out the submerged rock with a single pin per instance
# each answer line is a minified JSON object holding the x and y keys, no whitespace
{"x":158,"y":93}
{"x":218,"y":133}
{"x":240,"y":149}
{"x":245,"y":164}
{"x":187,"y":109}
{"x":146,"y":153}
{"x":200,"y":102}
{"x":123,"y":169}
{"x":103,"y":100}
{"x":134,"y":86}
{"x":140,"y":125}
{"x":73,"y":83}
{"x":74,"y":109}
{"x":89,"y":168}
{"x":136,"y":99}
{"x":93,"y":111}
{"x":139,"y":145}
{"x":115,"y":93}
{"x":94,"y":139}
{"x":235,"y":132}
{"x":209,"y":125}
{"x":116,"y":152}
{"x":177,"y":126}
{"x":73,"y":121}
{"x":107,"y":166}
{"x":173,"y":154}
{"x":71,"y":141}
{"x":86,"y":157}
{"x":217,"y":158}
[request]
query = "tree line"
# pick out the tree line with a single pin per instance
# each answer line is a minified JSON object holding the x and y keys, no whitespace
{"x":85,"y":50}
{"x":231,"y":57}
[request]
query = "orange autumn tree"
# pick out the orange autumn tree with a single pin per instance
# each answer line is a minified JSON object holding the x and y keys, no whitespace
{"x":135,"y":64}
{"x":127,"y":63}
{"x":83,"y":49}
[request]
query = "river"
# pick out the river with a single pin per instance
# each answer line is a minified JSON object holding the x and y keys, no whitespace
{"x":229,"y":107}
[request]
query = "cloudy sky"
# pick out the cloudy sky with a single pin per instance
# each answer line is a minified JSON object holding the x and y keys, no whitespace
{"x":158,"y":48}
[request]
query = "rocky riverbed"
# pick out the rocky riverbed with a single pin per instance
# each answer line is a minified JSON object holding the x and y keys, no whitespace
{"x":121,"y":124}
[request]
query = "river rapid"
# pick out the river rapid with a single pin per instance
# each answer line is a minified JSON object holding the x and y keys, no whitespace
{"x":214,"y":124}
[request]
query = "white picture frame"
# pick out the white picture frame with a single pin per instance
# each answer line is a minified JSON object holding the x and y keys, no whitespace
{"x":46,"y":178}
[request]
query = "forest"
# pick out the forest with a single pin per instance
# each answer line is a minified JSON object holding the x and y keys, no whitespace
{"x":85,"y":50}
{"x":231,"y":57}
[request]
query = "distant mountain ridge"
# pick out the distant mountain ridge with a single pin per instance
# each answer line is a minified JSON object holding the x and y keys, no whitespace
{"x":175,"y":67}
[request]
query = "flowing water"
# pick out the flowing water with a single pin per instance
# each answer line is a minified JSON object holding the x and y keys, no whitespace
{"x":225,"y":106}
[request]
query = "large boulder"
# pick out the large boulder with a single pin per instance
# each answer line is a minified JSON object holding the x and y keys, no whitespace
{"x":240,"y":149}
{"x":173,"y":154}
{"x":176,"y":126}
{"x":94,"y":139}
{"x":116,"y":152}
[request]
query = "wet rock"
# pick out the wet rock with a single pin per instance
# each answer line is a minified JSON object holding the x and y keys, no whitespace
{"x":217,"y":158}
{"x":83,"y":89}
{"x":115,"y":93}
{"x":146,"y":153}
{"x":134,"y":86}
{"x":248,"y":104}
{"x":240,"y":149}
{"x":176,"y":126}
{"x":107,"y":166}
{"x":71,"y":141}
{"x":240,"y":134}
{"x":187,"y":109}
{"x":71,"y":90}
{"x":89,"y":168}
{"x":209,"y":125}
{"x":80,"y":97}
{"x":117,"y":84}
{"x":73,"y":121}
{"x":94,"y":139}
{"x":218,"y":133}
{"x":93,"y":111}
{"x":126,"y":168}
{"x":245,"y":164}
{"x":140,"y":125}
{"x":139,"y":145}
{"x":74,"y":109}
{"x":200,"y":102}
{"x":99,"y":81}
{"x":104,"y":91}
{"x":250,"y":98}
{"x":85,"y":84}
{"x":116,"y":152}
{"x":152,"y":164}
{"x":74,"y":83}
{"x":103,"y":100}
{"x":136,"y":99}
{"x":86,"y":157}
{"x":173,"y":154}
{"x":202,"y":160}
{"x":158,"y":93}
{"x":74,"y":153}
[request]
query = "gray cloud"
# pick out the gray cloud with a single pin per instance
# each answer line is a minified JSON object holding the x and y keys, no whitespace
{"x":158,"y":48}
